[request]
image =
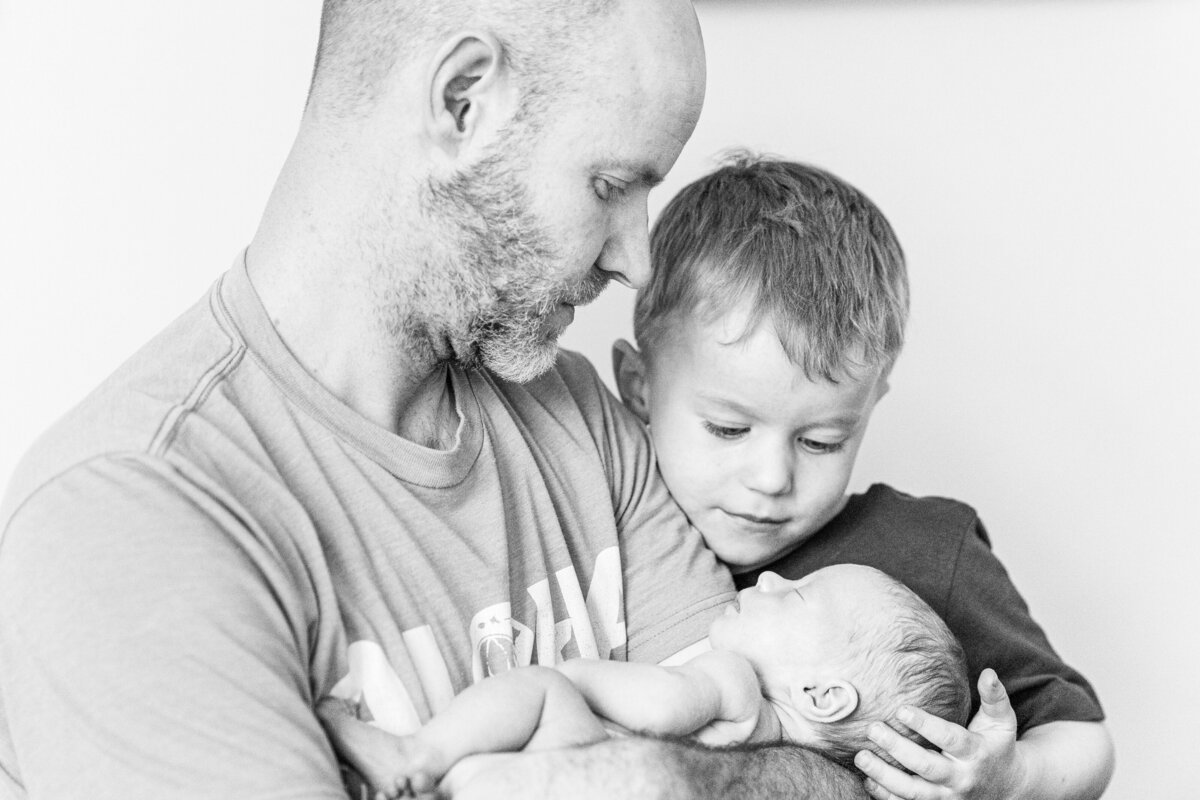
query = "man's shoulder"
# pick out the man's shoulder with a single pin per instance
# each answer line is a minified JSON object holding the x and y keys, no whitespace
{"x":135,"y":409}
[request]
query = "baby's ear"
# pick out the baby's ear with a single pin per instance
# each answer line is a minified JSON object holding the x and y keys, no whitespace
{"x":829,"y":701}
{"x":629,"y":369}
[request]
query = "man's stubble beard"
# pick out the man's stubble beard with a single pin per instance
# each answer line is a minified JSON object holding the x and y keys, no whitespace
{"x":485,"y":298}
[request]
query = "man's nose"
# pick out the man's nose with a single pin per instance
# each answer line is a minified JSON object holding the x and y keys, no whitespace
{"x":626,"y":254}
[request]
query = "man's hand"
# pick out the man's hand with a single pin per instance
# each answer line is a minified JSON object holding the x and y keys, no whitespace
{"x":980,"y":762}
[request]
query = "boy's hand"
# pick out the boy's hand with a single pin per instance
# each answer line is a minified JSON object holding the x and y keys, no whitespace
{"x":980,"y":762}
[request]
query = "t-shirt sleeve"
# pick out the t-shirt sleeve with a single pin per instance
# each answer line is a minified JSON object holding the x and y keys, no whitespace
{"x":993,"y":623}
{"x":151,"y":646}
{"x":674,"y":586}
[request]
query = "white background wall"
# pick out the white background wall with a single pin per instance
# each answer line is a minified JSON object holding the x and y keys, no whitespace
{"x":1040,"y":161}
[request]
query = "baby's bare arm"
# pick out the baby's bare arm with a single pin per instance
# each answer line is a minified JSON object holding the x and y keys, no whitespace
{"x":715,"y":687}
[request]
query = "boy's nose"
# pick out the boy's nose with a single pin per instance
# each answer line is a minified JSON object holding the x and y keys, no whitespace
{"x":770,"y":470}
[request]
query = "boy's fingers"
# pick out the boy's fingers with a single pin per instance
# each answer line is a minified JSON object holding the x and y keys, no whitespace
{"x":995,"y":710}
{"x":931,"y":766}
{"x":952,"y":739}
{"x":991,"y":690}
{"x":884,"y":781}
{"x":878,"y":792}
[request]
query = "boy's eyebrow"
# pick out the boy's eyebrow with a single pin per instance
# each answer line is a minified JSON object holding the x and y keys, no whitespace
{"x":732,"y":405}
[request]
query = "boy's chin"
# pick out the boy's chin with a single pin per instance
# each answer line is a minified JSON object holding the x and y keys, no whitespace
{"x":742,"y":556}
{"x":742,"y":559}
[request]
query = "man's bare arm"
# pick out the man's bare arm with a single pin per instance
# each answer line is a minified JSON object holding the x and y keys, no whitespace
{"x":651,"y":769}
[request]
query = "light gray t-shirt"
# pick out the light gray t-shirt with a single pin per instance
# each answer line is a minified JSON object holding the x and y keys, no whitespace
{"x":211,"y":542}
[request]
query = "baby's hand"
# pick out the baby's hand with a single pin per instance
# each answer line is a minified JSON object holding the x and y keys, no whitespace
{"x":980,"y":762}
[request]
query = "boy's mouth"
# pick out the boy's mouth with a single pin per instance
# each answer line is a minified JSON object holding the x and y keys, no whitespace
{"x":772,"y":522}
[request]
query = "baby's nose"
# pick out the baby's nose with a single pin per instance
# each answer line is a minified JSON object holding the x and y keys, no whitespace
{"x":768,"y":582}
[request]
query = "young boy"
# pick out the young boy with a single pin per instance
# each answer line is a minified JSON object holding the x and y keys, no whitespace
{"x":814,"y":661}
{"x":776,"y":309}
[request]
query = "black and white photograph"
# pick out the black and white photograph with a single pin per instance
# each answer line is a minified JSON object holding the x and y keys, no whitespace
{"x":599,"y":398}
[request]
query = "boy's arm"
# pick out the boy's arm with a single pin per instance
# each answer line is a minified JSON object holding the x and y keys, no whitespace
{"x":649,"y":769}
{"x":716,"y":692}
{"x":1061,"y":760}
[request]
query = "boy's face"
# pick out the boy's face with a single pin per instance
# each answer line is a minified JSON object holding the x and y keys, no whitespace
{"x":756,"y":454}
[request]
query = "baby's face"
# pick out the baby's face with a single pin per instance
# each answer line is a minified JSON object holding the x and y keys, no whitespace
{"x":757,"y":455}
{"x":800,"y":630}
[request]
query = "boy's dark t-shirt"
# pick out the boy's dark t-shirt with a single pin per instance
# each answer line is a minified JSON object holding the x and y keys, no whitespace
{"x":939,"y":549}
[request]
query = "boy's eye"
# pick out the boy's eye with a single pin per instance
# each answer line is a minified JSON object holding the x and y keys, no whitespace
{"x":723,"y":431}
{"x":606,"y":189}
{"x":821,"y":448}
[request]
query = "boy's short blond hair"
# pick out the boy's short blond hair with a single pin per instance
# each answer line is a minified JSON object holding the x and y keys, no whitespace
{"x":809,"y":252}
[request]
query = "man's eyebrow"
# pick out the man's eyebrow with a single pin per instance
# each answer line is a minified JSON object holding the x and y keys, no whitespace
{"x":649,"y":177}
{"x":642,"y":173}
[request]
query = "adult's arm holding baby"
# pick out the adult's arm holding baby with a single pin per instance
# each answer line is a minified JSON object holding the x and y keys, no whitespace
{"x":653,"y":769}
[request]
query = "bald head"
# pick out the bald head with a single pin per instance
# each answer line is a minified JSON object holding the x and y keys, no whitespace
{"x":362,"y":42}
{"x":470,"y":169}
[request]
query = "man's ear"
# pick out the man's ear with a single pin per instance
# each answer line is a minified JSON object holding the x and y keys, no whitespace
{"x":629,"y":369}
{"x":827,"y":701}
{"x":469,"y":91}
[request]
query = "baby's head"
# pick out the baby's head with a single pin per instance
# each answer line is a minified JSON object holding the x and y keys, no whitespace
{"x":767,"y":331}
{"x":842,"y":648}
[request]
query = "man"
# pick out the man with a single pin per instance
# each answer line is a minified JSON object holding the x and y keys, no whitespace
{"x":358,"y":468}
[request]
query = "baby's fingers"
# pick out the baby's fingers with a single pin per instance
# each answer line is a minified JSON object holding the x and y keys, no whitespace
{"x":930,"y":765}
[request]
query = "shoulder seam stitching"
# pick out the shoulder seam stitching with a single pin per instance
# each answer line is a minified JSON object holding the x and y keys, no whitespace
{"x":169,"y":427}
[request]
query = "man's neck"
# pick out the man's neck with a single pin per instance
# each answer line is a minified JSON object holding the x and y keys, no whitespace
{"x":315,"y":286}
{"x":330,"y":329}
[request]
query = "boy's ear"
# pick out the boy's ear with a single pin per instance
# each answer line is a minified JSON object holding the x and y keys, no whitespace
{"x":827,"y":701}
{"x":469,"y":91}
{"x":883,"y":385}
{"x":629,"y":369}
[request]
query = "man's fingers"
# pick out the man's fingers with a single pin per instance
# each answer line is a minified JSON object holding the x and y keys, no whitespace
{"x":926,"y":763}
{"x":885,"y":782}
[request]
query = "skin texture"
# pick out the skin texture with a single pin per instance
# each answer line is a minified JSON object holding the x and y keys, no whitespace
{"x":756,"y":453}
